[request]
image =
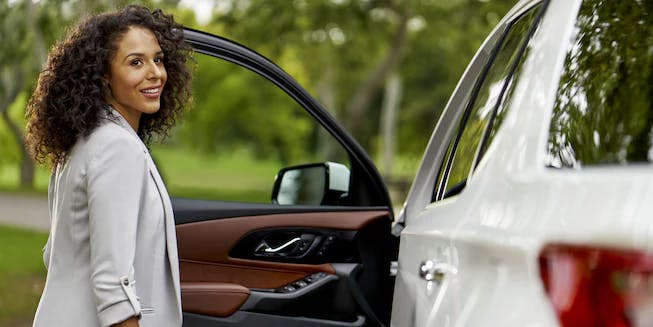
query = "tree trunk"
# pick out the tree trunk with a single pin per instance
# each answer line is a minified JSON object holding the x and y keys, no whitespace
{"x":327,"y":95}
{"x":26,"y":170}
{"x":39,"y":45}
{"x":355,"y":108}
{"x":391,"y":100}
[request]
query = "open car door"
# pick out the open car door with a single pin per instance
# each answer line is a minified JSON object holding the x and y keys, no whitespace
{"x":316,"y":254}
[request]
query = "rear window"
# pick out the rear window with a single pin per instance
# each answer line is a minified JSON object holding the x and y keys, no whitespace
{"x":603,"y":111}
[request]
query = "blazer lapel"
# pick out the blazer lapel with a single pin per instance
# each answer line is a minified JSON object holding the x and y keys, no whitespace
{"x":171,"y":235}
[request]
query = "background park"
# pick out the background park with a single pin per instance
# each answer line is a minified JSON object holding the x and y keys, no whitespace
{"x":383,"y":68}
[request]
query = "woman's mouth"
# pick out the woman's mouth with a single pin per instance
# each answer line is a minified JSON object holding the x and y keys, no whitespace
{"x":152,"y":92}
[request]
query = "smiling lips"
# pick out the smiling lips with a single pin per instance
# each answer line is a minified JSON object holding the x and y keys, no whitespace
{"x":152,"y":92}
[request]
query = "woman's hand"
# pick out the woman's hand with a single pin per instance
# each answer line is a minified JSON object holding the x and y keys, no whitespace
{"x":131,"y":322}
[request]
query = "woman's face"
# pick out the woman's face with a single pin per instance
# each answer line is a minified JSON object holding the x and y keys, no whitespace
{"x":136,"y":75}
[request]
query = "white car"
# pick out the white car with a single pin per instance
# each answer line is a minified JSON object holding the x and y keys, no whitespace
{"x":532,"y":205}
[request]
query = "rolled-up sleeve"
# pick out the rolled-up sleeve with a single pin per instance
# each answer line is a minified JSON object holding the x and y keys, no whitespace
{"x":116,"y":178}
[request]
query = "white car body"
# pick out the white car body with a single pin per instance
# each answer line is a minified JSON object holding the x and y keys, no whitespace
{"x":487,"y":239}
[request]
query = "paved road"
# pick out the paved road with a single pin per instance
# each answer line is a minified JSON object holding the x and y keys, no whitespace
{"x":30,"y":211}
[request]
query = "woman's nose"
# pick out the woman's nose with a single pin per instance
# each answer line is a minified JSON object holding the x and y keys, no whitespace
{"x":156,"y":70}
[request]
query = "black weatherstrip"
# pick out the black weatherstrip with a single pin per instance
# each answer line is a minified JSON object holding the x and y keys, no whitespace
{"x":189,"y":210}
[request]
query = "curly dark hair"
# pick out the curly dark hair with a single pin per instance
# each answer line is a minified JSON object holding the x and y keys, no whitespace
{"x":68,"y":101}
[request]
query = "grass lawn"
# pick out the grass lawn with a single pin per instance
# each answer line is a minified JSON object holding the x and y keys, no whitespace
{"x":9,"y":177}
{"x":22,"y":275}
{"x":228,"y":177}
{"x":233,"y":177}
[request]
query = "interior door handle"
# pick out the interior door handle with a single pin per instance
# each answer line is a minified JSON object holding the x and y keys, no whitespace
{"x":432,"y":270}
{"x":264,"y":247}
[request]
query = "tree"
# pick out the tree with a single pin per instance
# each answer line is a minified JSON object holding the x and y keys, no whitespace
{"x":348,"y":49}
{"x":24,"y":49}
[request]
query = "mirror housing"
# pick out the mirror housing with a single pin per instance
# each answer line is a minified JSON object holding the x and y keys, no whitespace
{"x":311,"y":184}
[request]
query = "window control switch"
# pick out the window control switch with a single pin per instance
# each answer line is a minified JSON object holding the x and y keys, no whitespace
{"x":287,"y":289}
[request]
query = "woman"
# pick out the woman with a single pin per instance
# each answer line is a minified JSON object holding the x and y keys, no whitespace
{"x":116,"y":81}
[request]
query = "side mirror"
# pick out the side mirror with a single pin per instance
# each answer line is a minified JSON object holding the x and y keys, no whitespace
{"x":312,"y":184}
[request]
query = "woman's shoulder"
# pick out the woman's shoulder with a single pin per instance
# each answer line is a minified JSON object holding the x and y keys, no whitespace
{"x":112,"y":137}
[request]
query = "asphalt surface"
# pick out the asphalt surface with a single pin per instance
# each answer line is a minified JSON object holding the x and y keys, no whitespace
{"x":28,"y":211}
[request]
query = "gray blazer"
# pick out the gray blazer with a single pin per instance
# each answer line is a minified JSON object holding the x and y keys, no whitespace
{"x":112,"y":250}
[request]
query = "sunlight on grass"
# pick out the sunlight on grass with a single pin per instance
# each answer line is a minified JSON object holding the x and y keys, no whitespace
{"x":232,"y":177}
{"x":22,"y":274}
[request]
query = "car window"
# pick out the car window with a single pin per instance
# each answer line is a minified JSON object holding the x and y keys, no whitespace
{"x":603,"y":112}
{"x":463,"y":149}
{"x":240,"y":132}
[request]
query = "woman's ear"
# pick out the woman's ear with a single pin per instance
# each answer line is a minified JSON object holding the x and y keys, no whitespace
{"x":105,"y":80}
{"x":106,"y":87}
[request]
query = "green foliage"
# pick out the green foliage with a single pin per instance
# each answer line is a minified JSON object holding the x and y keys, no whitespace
{"x":437,"y":56}
{"x":339,"y":43}
{"x":336,"y":43}
{"x":9,"y":145}
{"x":235,"y":109}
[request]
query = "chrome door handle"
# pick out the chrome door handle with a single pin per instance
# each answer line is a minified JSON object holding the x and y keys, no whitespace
{"x":432,"y":270}
{"x":264,"y":247}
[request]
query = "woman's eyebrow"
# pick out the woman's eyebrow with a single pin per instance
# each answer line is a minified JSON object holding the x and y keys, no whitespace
{"x":139,"y":54}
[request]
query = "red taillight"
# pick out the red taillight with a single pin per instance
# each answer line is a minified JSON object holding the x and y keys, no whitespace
{"x":598,"y":287}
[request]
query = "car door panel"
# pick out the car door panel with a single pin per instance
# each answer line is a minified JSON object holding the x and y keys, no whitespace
{"x":420,"y":300}
{"x":204,"y":247}
{"x":216,"y":283}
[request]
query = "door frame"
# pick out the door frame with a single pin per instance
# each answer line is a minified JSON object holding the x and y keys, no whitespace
{"x":368,"y":186}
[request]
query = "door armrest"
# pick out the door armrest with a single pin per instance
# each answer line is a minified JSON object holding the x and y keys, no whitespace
{"x":212,"y":299}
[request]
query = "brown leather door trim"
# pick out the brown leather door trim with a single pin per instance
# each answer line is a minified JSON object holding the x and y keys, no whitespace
{"x":204,"y":247}
{"x":213,"y":299}
{"x":252,"y":277}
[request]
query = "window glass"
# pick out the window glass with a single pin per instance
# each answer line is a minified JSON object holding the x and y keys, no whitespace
{"x":505,"y":100}
{"x":241,"y":130}
{"x":603,"y":112}
{"x":464,"y":146}
{"x":440,"y":184}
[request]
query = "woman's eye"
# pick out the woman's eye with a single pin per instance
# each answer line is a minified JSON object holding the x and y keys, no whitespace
{"x":158,"y":60}
{"x":135,"y":62}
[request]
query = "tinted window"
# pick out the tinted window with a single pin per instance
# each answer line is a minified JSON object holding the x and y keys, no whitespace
{"x":482,"y":107}
{"x":603,"y":112}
